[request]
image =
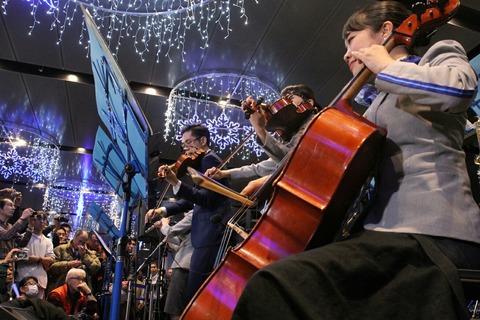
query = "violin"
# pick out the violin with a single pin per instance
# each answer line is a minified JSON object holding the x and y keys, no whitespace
{"x":282,"y":116}
{"x":287,"y":118}
{"x":275,"y":107}
{"x":284,"y":102}
{"x":186,"y":160}
{"x":180,"y":168}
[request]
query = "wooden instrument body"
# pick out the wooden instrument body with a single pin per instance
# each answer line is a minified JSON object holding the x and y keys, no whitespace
{"x":320,"y":181}
{"x":311,"y":197}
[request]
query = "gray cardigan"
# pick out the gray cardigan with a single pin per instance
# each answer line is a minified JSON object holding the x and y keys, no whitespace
{"x":423,"y":182}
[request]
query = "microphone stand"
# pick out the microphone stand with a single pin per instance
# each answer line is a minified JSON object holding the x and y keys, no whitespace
{"x":148,"y":259}
{"x":156,"y":294}
{"x":122,"y":244}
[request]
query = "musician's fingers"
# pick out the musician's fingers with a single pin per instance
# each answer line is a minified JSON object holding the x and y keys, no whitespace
{"x":248,"y":190}
{"x":249,"y":99}
{"x":162,"y":171}
{"x":208,"y":172}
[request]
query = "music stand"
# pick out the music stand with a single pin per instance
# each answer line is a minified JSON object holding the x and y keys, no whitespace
{"x":122,"y":158}
{"x":106,"y":284}
{"x":104,"y":221}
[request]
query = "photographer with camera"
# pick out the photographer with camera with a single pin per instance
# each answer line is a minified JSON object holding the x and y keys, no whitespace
{"x":9,"y":233}
{"x":4,"y":271}
{"x":59,"y":236}
{"x":41,"y":256}
{"x":58,"y":219}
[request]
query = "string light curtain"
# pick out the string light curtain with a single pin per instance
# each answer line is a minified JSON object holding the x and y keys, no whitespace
{"x":214,"y":99}
{"x":27,"y":155}
{"x":75,"y":197}
{"x":160,"y":25}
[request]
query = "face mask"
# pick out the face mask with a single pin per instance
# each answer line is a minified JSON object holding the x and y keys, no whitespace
{"x":32,"y":290}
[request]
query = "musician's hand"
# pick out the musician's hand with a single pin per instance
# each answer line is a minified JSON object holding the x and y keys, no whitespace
{"x":165,"y":221}
{"x":149,"y":215}
{"x":253,"y":186}
{"x":376,"y":58}
{"x":164,"y":172}
{"x":158,"y":224}
{"x":247,"y":104}
{"x":258,"y":121}
{"x":153,"y":213}
{"x":217,"y":174}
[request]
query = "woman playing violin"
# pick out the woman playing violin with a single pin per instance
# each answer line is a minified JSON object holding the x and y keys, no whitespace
{"x":206,"y":233}
{"x":423,"y":223}
{"x":275,"y":148}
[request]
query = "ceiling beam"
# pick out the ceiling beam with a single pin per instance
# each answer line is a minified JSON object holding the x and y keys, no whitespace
{"x":66,"y":75}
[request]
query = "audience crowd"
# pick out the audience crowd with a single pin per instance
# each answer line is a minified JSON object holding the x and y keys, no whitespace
{"x":52,"y":275}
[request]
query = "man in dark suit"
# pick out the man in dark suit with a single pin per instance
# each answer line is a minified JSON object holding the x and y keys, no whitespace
{"x":206,"y":233}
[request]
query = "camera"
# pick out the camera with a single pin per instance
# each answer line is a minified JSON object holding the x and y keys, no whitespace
{"x":60,"y":218}
{"x":21,"y":255}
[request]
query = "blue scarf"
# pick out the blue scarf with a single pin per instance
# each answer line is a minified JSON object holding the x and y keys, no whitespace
{"x":369,"y":92}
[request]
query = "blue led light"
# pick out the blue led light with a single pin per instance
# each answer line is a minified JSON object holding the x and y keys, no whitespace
{"x":207,"y":99}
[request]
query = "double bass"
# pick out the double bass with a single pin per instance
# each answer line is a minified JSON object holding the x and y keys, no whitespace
{"x":309,"y":202}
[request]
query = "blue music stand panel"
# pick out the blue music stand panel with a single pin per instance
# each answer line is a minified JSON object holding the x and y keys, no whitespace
{"x":104,"y":221}
{"x":109,"y":159}
{"x":117,"y":106}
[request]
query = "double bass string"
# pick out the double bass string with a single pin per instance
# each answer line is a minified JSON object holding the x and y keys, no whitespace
{"x":260,"y":195}
{"x":233,"y":223}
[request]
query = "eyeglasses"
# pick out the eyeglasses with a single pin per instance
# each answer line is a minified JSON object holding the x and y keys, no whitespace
{"x":188,"y":143}
{"x":78,"y":278}
{"x":30,"y":283}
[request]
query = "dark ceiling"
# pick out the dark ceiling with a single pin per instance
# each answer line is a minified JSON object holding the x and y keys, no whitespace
{"x":285,"y":42}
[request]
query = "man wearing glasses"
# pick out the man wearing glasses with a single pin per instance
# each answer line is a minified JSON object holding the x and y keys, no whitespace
{"x":75,"y":296}
{"x":206,"y":234}
{"x":40,"y":254}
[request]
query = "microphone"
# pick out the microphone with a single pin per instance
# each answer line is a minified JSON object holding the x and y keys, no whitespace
{"x":165,"y":215}
{"x":163,"y":241}
{"x":150,"y":229}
